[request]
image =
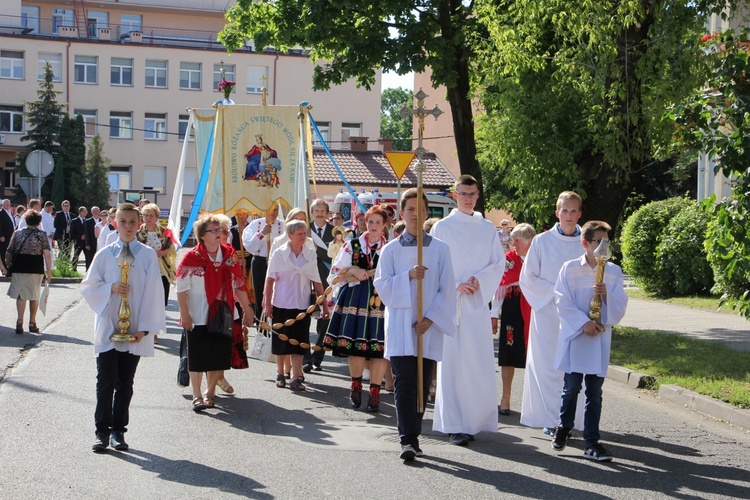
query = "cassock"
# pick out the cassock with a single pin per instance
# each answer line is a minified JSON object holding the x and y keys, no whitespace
{"x":466,"y":399}
{"x":399,"y":294}
{"x":146,"y":298}
{"x":542,"y":383}
{"x":576,"y":351}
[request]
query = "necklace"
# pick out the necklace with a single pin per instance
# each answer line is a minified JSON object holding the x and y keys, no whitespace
{"x":216,"y":263}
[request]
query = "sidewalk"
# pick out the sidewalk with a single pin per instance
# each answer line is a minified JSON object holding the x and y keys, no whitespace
{"x":729,"y":329}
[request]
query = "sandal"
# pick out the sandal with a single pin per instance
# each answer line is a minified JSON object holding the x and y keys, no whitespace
{"x":208,"y":401}
{"x":33,"y":328}
{"x":19,"y":327}
{"x":225,"y":386}
{"x":280,"y":382}
{"x":198,"y":404}
{"x":287,"y":376}
{"x":297,"y":385}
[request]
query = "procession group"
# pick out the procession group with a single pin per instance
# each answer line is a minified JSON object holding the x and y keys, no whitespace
{"x":469,"y":274}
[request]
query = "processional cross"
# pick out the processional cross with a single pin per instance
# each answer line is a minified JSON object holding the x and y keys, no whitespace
{"x":420,"y":113}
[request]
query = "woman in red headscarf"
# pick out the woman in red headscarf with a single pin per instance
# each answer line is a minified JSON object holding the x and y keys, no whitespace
{"x":208,"y":277}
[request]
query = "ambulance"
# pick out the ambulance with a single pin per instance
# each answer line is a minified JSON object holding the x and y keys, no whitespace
{"x":439,"y":204}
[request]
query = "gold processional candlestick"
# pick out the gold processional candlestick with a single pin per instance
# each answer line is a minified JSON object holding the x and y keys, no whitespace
{"x":602,"y":254}
{"x":125,"y":261}
{"x":420,"y":112}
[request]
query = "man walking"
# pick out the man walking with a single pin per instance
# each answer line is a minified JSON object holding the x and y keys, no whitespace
{"x":77,"y":235}
{"x":7,"y":226}
{"x":89,"y":236}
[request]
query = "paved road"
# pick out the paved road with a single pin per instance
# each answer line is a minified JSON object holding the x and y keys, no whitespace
{"x":271,"y":443}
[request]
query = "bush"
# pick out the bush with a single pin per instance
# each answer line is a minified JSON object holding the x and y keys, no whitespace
{"x":681,"y":263}
{"x":641,"y":234}
{"x":730,"y":265}
{"x":64,"y":268}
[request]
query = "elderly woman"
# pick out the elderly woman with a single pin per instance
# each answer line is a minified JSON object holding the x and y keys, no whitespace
{"x":209,"y":277}
{"x":162,"y":241}
{"x":516,"y":313}
{"x":294,"y":214}
{"x":357,"y":328}
{"x":291,"y":270}
{"x":28,"y":253}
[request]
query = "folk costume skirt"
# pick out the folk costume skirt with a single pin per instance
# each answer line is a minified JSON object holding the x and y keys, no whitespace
{"x":357,"y":326}
{"x":512,"y":347}
{"x":207,"y":353}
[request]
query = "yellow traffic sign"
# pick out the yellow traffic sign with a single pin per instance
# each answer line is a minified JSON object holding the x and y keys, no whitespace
{"x":399,"y":161}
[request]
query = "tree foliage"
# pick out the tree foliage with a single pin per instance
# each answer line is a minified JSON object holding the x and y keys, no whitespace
{"x":96,"y":188}
{"x":715,"y":121}
{"x":573,"y":92}
{"x":392,"y":124}
{"x":43,"y":131}
{"x":354,"y":39}
{"x":72,"y":159}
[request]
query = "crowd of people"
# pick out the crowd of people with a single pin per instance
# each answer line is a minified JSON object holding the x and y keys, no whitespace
{"x":531,"y":291}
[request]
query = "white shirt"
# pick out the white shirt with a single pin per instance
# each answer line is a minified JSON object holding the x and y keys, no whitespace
{"x":255,"y":241}
{"x":287,"y":289}
{"x":196,"y":288}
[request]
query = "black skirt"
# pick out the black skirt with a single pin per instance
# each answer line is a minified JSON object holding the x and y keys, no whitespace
{"x":299,"y":331}
{"x":206,"y":352}
{"x":512,"y":347}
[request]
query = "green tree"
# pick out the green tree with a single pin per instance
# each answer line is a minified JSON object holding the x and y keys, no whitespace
{"x":43,"y":132}
{"x":95,"y":172}
{"x":392,"y":124}
{"x":715,"y":121}
{"x":353,"y":39}
{"x":73,"y":159}
{"x":574,"y":94}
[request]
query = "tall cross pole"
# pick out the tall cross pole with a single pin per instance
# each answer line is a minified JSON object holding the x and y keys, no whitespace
{"x":263,"y":90}
{"x":420,"y":113}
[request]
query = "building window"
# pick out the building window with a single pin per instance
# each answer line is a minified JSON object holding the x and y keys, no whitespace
{"x":11,"y":64}
{"x":119,"y":178}
{"x":228,"y":72}
{"x":190,"y":76}
{"x":155,"y":178}
{"x":349,"y":130}
{"x":156,"y":73}
{"x":95,"y":21}
{"x":130,"y":22}
{"x":61,"y":17}
{"x":257,"y":78}
{"x":55,"y":61}
{"x":121,"y":71}
{"x":89,"y":120}
{"x":155,"y":127}
{"x":325,"y":131}
{"x":182,"y":129}
{"x":11,"y":119}
{"x":121,"y":124}
{"x":86,"y":69}
{"x":30,"y":18}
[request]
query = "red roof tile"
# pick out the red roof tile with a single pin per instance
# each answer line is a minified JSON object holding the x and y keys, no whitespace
{"x":372,"y":168}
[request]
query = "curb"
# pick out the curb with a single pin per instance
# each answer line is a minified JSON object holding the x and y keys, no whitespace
{"x":685,"y":397}
{"x":65,"y":281}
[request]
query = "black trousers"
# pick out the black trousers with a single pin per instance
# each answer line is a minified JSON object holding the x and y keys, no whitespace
{"x":115,"y":372}
{"x":77,"y":253}
{"x":88,"y":256}
{"x":259,"y":266}
{"x":408,"y":420}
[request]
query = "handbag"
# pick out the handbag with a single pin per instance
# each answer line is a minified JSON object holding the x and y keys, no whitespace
{"x":221,"y":324}
{"x":9,"y":270}
{"x":183,"y":376}
{"x":262,"y":347}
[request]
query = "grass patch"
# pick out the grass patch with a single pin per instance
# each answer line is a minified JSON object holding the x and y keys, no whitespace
{"x":707,"y":368}
{"x":64,"y":268}
{"x":706,"y":303}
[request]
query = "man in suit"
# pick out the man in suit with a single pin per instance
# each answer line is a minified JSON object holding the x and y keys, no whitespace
{"x":322,"y":234}
{"x":7,"y":226}
{"x":77,"y":235}
{"x":62,"y":229}
{"x":89,"y":236}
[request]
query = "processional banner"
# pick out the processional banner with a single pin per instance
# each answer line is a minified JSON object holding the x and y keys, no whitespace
{"x":254,"y":158}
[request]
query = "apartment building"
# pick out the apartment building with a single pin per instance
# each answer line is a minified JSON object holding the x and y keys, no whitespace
{"x":133,"y":68}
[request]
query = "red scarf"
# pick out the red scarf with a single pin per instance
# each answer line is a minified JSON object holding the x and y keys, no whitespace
{"x":221,"y":278}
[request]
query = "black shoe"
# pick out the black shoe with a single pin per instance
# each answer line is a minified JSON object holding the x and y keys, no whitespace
{"x":100,"y":443}
{"x":355,"y":394}
{"x":373,"y":404}
{"x":408,"y":453}
{"x":318,"y":368}
{"x":560,"y":441}
{"x":117,"y":440}
{"x":459,"y":440}
{"x":307,"y":368}
{"x":419,"y":451}
{"x":597,"y":452}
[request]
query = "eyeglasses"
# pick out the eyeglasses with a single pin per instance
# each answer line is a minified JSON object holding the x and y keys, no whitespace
{"x":595,"y":240}
{"x":216,"y":230}
{"x":473,"y":194}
